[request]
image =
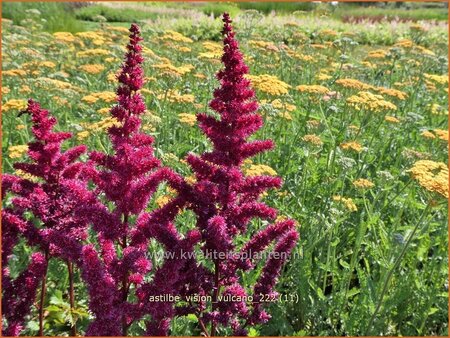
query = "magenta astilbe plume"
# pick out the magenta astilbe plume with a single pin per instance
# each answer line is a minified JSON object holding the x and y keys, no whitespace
{"x":51,"y":199}
{"x":225,"y":201}
{"x":126,"y":180}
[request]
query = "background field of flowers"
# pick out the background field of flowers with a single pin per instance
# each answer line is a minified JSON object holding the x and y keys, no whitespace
{"x":359,"y":115}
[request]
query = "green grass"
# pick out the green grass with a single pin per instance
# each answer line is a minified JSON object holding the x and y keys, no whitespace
{"x":91,"y":13}
{"x":392,"y":13}
{"x":283,"y":7}
{"x":57,"y":16}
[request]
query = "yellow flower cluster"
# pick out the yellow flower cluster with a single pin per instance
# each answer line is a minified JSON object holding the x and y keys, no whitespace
{"x":53,"y":83}
{"x":433,"y":176}
{"x":94,"y":37}
{"x":269,"y":84}
{"x":189,"y":119}
{"x":358,"y":85}
{"x":64,"y":37}
{"x":347,"y":202}
{"x":313,"y":139}
{"x":313,"y":89}
{"x":391,"y":119}
{"x":264,"y":45}
{"x":423,"y":50}
{"x":175,"y":36}
{"x":377,"y":54}
{"x":277,"y":104}
{"x":92,"y":52}
{"x":439,"y":79}
{"x":404,"y":43}
{"x":167,"y":68}
{"x":353,"y":84}
{"x":103,"y":111}
{"x":92,"y":69}
{"x":323,"y":77}
{"x":439,"y":133}
{"x":17,"y":151}
{"x":259,"y":169}
{"x":328,"y":33}
{"x":163,"y":200}
{"x":175,"y":96}
{"x":25,"y":175}
{"x":14,"y":104}
{"x":100,"y":126}
{"x":438,"y":110}
{"x":417,"y":27}
{"x":352,"y":145}
{"x":14,"y":72}
{"x":108,"y":97}
{"x":363,"y":183}
{"x":398,"y":94}
{"x":371,"y":102}
{"x":37,"y":64}
{"x":214,"y":50}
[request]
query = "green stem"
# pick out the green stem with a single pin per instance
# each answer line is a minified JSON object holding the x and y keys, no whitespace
{"x":392,"y":270}
{"x":42,"y":298}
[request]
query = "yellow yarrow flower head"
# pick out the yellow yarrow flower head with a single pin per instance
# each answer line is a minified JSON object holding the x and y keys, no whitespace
{"x":268,"y":84}
{"x":352,"y":145}
{"x":363,"y":183}
{"x":371,"y":102}
{"x":347,"y":202}
{"x":189,"y":119}
{"x":313,"y":139}
{"x":17,"y":105}
{"x":259,"y":169}
{"x":17,"y":151}
{"x":433,"y":176}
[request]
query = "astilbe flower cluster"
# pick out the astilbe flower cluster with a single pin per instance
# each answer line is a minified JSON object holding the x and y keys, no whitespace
{"x":225,"y":201}
{"x":127,"y":179}
{"x":113,"y":261}
{"x":50,"y":195}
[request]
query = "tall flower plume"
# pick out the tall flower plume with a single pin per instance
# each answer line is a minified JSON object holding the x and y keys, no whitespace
{"x":225,"y":201}
{"x":126,"y":179}
{"x":51,"y":198}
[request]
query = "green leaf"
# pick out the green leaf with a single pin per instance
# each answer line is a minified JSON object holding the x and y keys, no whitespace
{"x":253,"y":333}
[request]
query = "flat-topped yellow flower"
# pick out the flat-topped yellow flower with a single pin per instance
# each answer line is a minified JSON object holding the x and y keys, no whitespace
{"x":259,"y":169}
{"x":175,"y":36}
{"x":439,"y":79}
{"x":377,"y":54}
{"x":312,"y":89}
{"x":175,"y":96}
{"x":189,"y":119}
{"x":431,"y":175}
{"x":398,"y":94}
{"x":64,"y":37}
{"x":391,"y":119}
{"x":353,"y":84}
{"x":436,"y":133}
{"x":352,"y":145}
{"x":14,"y":72}
{"x":92,"y":69}
{"x":17,"y":151}
{"x":169,"y":69}
{"x":369,"y":101}
{"x":269,"y":84}
{"x":93,"y":52}
{"x":347,"y":202}
{"x":14,"y":104}
{"x":363,"y":183}
{"x":313,"y":139}
{"x":108,"y":97}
